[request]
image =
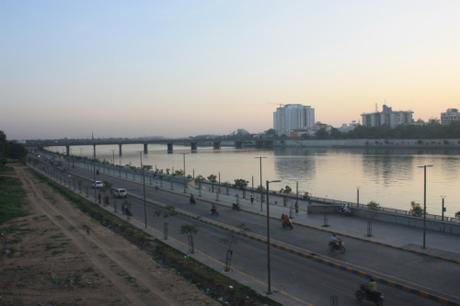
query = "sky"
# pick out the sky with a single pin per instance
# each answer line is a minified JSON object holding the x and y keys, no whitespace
{"x":179,"y":68}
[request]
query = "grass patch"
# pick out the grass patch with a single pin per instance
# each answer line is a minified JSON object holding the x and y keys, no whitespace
{"x":6,"y":170}
{"x":12,"y":199}
{"x":216,"y":285}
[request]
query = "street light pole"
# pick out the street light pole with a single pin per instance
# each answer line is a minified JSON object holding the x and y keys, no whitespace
{"x":269,"y":272}
{"x":143,"y":191}
{"x":94,"y":168}
{"x":443,"y":208}
{"x":424,"y":203}
{"x":260,"y":176}
{"x":185,"y":183}
{"x":357,"y":196}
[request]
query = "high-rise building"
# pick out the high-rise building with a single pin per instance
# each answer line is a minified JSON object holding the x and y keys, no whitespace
{"x":449,"y":116}
{"x":292,"y":117}
{"x":387,"y":117}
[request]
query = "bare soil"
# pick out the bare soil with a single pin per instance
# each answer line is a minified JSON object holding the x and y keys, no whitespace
{"x":59,"y":256}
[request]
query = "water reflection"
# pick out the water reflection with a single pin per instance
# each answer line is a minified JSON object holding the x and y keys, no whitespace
{"x":389,"y":176}
{"x":295,"y":164}
{"x":383,"y":167}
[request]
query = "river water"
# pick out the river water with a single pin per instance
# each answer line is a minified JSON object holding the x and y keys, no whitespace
{"x":390,"y":177}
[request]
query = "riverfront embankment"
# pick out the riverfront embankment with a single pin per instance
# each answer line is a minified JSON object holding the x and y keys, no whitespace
{"x":453,"y":143}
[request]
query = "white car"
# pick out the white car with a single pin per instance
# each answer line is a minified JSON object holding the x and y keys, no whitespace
{"x":119,"y":192}
{"x":98,"y":184}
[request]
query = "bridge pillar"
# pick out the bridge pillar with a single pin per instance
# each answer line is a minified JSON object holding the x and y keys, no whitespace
{"x":193,"y":147}
{"x":120,"y":149}
{"x":146,"y":149}
{"x":67,"y":150}
{"x":170,"y":148}
{"x":238,"y":144}
{"x":216,"y":145}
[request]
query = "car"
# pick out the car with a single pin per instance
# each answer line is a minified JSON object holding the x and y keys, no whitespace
{"x":98,"y":184}
{"x":119,"y":192}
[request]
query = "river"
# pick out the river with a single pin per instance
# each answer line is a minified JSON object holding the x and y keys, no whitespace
{"x":390,"y":177}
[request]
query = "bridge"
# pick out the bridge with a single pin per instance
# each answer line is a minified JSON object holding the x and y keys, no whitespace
{"x":193,"y":142}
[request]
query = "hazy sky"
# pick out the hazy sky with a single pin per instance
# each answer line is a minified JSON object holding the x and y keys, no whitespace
{"x":176,"y":68}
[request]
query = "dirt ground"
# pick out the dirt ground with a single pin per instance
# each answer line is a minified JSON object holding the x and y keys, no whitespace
{"x":58,"y":256}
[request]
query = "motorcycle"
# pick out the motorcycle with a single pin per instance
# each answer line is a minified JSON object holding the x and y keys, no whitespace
{"x":236,"y":207}
{"x":364,"y":294}
{"x":287,"y":224}
{"x":338,"y":246}
{"x":214,"y":211}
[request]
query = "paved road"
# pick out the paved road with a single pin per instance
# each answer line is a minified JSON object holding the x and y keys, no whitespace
{"x":306,"y":279}
{"x":421,"y":270}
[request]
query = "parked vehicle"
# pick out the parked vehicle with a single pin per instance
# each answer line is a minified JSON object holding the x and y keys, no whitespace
{"x":119,"y":192}
{"x":98,"y":184}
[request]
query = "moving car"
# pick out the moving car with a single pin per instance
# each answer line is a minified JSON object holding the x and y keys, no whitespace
{"x":98,"y":184}
{"x":119,"y":192}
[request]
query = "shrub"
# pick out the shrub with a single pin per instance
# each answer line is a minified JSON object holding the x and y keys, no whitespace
{"x":416,"y":210}
{"x":373,"y":205}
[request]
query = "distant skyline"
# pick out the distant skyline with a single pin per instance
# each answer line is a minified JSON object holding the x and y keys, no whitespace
{"x":180,"y":68}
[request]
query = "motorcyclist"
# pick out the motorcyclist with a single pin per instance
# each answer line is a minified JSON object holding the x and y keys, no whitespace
{"x":333,"y":240}
{"x":372,"y":286}
{"x":214,"y":210}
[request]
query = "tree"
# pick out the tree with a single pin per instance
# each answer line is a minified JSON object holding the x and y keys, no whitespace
{"x":189,"y":230}
{"x":2,"y":148}
{"x":416,"y":210}
{"x":240,"y":183}
{"x":457,"y":215}
{"x":286,"y":190}
{"x":199,"y":179}
{"x":373,"y":205}
{"x":178,"y":173}
{"x":212,"y":178}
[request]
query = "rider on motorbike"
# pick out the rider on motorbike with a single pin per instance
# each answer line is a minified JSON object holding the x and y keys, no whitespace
{"x":372,"y":285}
{"x":333,"y":240}
{"x":214,"y":210}
{"x":236,"y":206}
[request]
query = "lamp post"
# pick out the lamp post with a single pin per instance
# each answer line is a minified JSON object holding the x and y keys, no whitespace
{"x":260,"y":176}
{"x":443,"y":208}
{"x":143,"y":191}
{"x":94,"y":168}
{"x":424,"y":203}
{"x":185,"y":179}
{"x":269,"y":277}
{"x":357,"y":196}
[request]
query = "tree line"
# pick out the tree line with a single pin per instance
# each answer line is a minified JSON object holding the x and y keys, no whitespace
{"x":10,"y":149}
{"x":411,"y":131}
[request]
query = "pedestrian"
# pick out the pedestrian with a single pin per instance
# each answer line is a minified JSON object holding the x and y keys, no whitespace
{"x":252,"y":199}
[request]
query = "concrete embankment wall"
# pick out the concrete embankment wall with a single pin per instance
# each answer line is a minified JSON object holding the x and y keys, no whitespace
{"x":373,"y":143}
{"x":395,"y":218}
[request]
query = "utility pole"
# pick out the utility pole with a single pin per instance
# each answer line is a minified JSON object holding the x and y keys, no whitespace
{"x":269,"y":272}
{"x":357,"y":196}
{"x":443,"y":208}
{"x":94,"y":167}
{"x":143,"y":191}
{"x":424,"y":203}
{"x":260,"y":177}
